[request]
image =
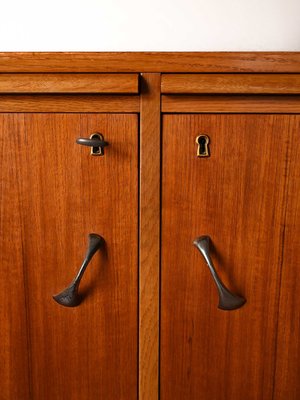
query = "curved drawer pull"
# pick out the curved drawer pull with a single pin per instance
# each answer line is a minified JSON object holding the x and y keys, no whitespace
{"x":70,"y":297}
{"x":227,"y":300}
{"x":91,"y":142}
{"x":96,"y":142}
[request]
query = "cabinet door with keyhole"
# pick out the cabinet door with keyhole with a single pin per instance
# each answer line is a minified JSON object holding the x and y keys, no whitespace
{"x":224,"y":212}
{"x":54,"y":194}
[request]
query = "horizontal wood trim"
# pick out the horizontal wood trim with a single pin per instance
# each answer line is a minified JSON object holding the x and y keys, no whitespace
{"x":69,"y":83}
{"x":230,"y":104}
{"x":69,"y":103}
{"x":150,"y":62}
{"x":230,"y":83}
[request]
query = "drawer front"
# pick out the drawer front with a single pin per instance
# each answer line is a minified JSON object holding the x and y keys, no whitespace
{"x":69,"y":83}
{"x":53,"y":194}
{"x":238,"y":197}
{"x":230,"y":83}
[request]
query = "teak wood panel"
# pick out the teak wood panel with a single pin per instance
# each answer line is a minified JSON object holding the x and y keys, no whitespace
{"x":213,"y":103}
{"x":236,"y":196}
{"x":69,"y":103}
{"x":14,"y":341}
{"x":285,"y":62}
{"x":287,"y":378}
{"x":230,"y":83}
{"x":53,"y":193}
{"x":69,"y":83}
{"x":150,"y":157}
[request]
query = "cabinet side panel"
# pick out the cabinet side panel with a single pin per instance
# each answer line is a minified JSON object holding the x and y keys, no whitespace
{"x":14,"y":345}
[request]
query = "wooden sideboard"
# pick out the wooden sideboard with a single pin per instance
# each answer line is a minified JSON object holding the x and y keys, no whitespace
{"x":189,"y":176}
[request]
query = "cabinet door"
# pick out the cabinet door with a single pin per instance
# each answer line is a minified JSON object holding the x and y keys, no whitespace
{"x":237,"y":196}
{"x":53,"y":194}
{"x":287,"y":378}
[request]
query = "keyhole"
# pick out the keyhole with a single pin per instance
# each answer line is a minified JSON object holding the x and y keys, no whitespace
{"x":202,"y":142}
{"x":97,"y":150}
{"x":203,"y":149}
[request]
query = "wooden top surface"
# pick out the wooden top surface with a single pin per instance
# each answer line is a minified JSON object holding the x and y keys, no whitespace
{"x":195,"y":62}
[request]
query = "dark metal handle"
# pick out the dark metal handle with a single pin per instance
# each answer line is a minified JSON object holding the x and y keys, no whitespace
{"x":227,"y":300}
{"x":70,"y":297}
{"x":92,"y":142}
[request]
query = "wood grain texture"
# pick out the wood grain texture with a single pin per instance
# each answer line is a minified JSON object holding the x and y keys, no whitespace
{"x":150,"y":62}
{"x":149,"y":237}
{"x":14,"y":338}
{"x":287,"y":377}
{"x":230,"y":83}
{"x":69,"y":83}
{"x":69,"y":103}
{"x":237,"y":197}
{"x":230,"y":104}
{"x":54,"y":194}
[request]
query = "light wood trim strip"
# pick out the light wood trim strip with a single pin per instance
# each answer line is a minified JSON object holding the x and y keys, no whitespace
{"x":230,"y":104}
{"x":149,"y":238}
{"x":230,"y":83}
{"x":284,"y":62}
{"x":69,"y":83}
{"x":69,"y":103}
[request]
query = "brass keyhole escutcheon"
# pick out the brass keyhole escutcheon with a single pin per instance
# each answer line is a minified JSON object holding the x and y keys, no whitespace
{"x":97,"y":150}
{"x":203,"y":146}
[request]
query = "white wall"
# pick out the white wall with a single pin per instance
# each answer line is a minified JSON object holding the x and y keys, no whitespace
{"x":152,"y":25}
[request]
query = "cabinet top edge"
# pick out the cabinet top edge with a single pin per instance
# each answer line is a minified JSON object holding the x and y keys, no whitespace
{"x":156,"y":62}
